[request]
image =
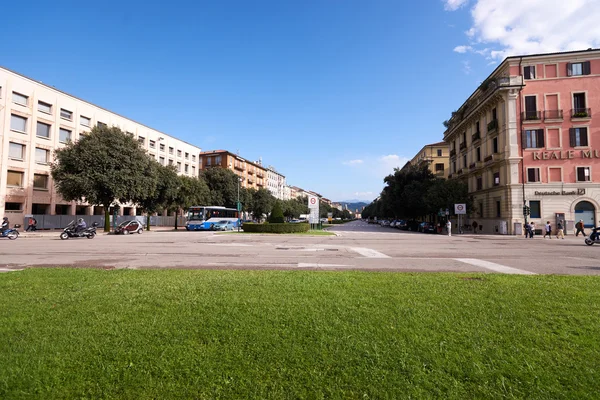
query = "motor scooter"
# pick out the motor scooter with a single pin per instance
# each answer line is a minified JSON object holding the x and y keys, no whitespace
{"x":11,"y":234}
{"x":70,"y":231}
{"x":594,"y":236}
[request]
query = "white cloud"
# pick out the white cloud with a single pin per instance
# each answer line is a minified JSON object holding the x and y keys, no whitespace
{"x":452,"y":5}
{"x":364,"y":195}
{"x":386,"y":164}
{"x":462,"y":49}
{"x":352,"y":162}
{"x":507,"y":28}
{"x":466,"y":67}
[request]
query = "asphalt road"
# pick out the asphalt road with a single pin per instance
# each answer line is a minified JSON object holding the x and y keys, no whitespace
{"x":357,"y":246}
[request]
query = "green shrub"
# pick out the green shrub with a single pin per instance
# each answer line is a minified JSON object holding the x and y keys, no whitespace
{"x":276,"y":216}
{"x":276,"y":228}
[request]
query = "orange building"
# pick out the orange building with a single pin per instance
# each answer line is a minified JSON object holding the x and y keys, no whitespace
{"x":253,"y":174}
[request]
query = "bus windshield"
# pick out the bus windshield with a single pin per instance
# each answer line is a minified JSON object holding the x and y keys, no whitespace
{"x":195,"y":214}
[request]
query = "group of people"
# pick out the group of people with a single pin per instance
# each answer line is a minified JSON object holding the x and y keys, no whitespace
{"x":560,"y":229}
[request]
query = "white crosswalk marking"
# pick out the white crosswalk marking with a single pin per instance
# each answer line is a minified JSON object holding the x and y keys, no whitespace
{"x":494,"y":267}
{"x":369,"y":253}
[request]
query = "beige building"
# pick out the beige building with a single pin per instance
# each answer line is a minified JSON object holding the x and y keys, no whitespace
{"x":35,"y":120}
{"x":276,"y":184}
{"x":253,"y":174}
{"x":436,"y":157}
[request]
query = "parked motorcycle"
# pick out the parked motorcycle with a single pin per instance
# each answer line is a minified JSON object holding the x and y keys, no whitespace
{"x":70,"y":231}
{"x":11,"y":234}
{"x":594,"y":237}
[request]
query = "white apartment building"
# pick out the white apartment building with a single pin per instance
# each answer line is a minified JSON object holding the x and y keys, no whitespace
{"x":276,"y":184}
{"x":35,"y":120}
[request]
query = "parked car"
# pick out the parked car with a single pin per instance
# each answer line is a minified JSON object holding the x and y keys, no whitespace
{"x":224,"y":225}
{"x":427,"y":227}
{"x":131,"y":226}
{"x":401,"y":224}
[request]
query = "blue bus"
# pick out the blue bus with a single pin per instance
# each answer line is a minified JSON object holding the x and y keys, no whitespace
{"x":201,"y":218}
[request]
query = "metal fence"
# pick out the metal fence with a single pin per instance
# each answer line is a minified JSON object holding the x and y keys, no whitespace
{"x":61,"y":221}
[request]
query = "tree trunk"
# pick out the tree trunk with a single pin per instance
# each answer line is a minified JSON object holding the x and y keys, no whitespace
{"x":176,"y":216}
{"x":106,"y":219}
{"x":147,"y":221}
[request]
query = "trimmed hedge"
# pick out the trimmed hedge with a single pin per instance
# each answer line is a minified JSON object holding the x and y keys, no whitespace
{"x":276,"y":228}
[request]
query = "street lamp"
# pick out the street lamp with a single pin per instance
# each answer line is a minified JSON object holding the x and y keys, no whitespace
{"x":239,"y":206}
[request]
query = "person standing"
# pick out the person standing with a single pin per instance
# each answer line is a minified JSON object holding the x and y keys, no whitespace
{"x":559,"y":230}
{"x":449,"y":227}
{"x":579,"y":226}
{"x":548,"y":230}
{"x":527,"y":230}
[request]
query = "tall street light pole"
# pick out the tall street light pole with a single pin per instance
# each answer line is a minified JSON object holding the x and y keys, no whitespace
{"x":239,"y":206}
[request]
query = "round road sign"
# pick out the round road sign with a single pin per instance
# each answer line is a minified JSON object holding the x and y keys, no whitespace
{"x":313,"y":200}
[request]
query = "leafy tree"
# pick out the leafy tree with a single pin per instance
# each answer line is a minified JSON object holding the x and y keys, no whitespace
{"x":103,"y":167}
{"x":262,"y":202}
{"x":276,"y":216}
{"x":294,"y":207}
{"x":443,"y":194}
{"x":191,"y":192}
{"x":165,"y":191}
{"x":223,"y":184}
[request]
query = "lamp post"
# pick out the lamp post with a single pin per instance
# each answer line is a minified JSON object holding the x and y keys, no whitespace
{"x":239,"y":206}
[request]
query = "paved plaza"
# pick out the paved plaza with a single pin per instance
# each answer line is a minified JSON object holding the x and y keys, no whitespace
{"x":357,"y":246}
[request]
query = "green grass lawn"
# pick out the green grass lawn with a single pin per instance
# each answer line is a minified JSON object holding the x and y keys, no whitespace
{"x":83,"y":333}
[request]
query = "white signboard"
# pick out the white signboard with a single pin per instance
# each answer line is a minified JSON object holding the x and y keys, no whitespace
{"x":314,"y":216}
{"x":313,"y":202}
{"x":460,"y":209}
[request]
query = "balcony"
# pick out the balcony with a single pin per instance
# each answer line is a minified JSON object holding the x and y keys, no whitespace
{"x":531,"y":116}
{"x":492,"y":125}
{"x":250,"y":172}
{"x":250,"y":180}
{"x":476,"y":136}
{"x":452,"y":153}
{"x":488,"y":159}
{"x":553,"y":114}
{"x":472,"y":166}
{"x":239,"y":167}
{"x":459,"y":172}
{"x":581,"y":113}
{"x":260,"y":174}
{"x":463,"y":146}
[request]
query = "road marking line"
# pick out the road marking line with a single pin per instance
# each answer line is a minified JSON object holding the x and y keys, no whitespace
{"x":369,"y":253}
{"x":494,"y":267}
{"x":318,"y":265}
{"x":9,"y":270}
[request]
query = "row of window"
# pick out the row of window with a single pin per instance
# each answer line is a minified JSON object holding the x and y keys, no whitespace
{"x":550,"y":70}
{"x":17,"y":151}
{"x":491,"y":127}
{"x":161,"y":147}
{"x":553,"y":109}
{"x":582,"y":174}
{"x":477,"y":154}
{"x":535,"y":138}
{"x":15,"y":179}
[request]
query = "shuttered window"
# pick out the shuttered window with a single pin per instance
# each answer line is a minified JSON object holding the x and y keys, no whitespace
{"x":529,"y":72}
{"x":533,"y":138}
{"x":533,"y":174}
{"x":578,"y":137}
{"x":580,"y":68}
{"x":583,"y":174}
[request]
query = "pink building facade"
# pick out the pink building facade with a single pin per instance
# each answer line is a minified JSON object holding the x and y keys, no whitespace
{"x":530,"y":135}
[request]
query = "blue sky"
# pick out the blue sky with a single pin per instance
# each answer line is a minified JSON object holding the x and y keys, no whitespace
{"x":334,"y":94}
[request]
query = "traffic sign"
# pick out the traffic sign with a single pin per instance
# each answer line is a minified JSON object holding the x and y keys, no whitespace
{"x":313,"y":202}
{"x":239,"y":206}
{"x":460,"y":209}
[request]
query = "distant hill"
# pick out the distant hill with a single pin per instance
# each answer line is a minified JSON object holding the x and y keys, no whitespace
{"x":353,"y":204}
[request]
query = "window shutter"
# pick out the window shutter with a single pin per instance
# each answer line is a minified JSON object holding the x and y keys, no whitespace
{"x":530,"y":175}
{"x":586,"y":68}
{"x":537,"y":175}
{"x":532,"y":72}
{"x":524,"y":139}
{"x":540,"y":138}
{"x":569,"y":69}
{"x":583,"y":136}
{"x":572,"y":137}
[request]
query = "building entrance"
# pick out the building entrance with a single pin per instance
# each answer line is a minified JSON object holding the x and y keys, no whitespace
{"x":587,"y":212}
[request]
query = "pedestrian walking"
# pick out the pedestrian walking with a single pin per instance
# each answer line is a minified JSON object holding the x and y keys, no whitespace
{"x":532,"y":231}
{"x":527,"y":230}
{"x":559,"y":230}
{"x":449,"y":227}
{"x":579,"y":226}
{"x":548,"y":230}
{"x":31,"y":224}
